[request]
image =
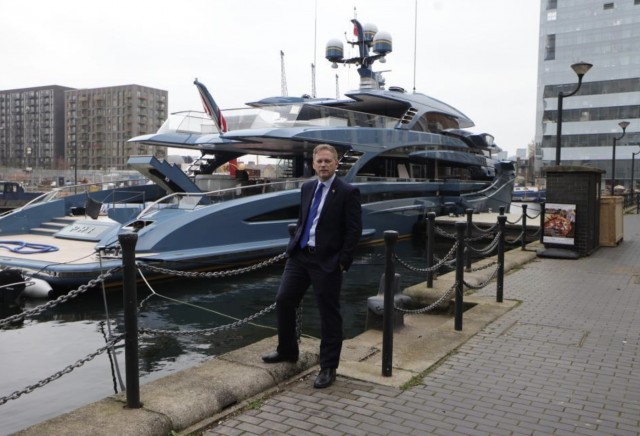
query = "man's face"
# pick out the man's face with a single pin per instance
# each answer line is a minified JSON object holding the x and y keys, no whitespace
{"x":325,"y":165}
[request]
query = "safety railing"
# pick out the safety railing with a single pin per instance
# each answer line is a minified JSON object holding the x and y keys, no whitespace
{"x":189,"y":200}
{"x":454,"y":258}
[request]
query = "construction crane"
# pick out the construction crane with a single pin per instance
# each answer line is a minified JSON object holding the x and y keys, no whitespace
{"x":283,"y":77}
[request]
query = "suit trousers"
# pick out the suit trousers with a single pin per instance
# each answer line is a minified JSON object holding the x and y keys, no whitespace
{"x":301,"y":271}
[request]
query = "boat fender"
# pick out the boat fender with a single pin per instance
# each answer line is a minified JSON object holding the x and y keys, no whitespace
{"x":38,"y":289}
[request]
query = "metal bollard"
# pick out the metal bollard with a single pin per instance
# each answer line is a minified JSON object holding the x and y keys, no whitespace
{"x":502,"y":220}
{"x":523,"y":242}
{"x":390,"y":238}
{"x":431,"y":241}
{"x":460,"y":230}
{"x":469,"y":235}
{"x":128,"y":243}
{"x":292,"y":230}
{"x":502,"y":209}
{"x":542,"y":207}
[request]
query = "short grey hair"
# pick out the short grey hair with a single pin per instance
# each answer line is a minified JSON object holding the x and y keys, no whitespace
{"x":326,"y":147}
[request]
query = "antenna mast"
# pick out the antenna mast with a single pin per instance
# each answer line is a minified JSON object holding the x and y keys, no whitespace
{"x":283,"y":77}
{"x":337,"y":88}
{"x":313,"y":81}
{"x":415,"y":47}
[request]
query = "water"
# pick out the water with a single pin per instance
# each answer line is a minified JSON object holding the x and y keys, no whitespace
{"x":64,"y":334}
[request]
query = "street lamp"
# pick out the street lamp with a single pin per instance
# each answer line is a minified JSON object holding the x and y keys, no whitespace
{"x":623,"y":125}
{"x":633,"y":161}
{"x":580,"y":69}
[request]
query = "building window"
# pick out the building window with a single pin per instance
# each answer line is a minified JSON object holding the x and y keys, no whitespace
{"x":552,"y":4}
{"x":636,"y":2}
{"x":552,"y":15}
{"x":608,"y":6}
{"x":550,"y":48}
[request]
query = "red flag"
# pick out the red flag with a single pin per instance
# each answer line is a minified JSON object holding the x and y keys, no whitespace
{"x":355,"y":30}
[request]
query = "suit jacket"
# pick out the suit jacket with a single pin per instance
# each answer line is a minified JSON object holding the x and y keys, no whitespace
{"x":339,"y":227}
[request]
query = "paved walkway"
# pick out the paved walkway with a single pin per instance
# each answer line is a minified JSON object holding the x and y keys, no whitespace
{"x":565,"y":362}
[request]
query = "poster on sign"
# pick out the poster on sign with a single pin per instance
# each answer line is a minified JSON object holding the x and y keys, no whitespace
{"x":559,"y":224}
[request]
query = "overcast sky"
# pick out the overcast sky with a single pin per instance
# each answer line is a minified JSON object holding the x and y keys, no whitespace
{"x":480,"y":56}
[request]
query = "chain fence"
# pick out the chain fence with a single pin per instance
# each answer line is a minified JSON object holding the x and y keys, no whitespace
{"x":534,"y":217}
{"x":488,"y":249}
{"x":483,"y":285}
{"x":17,"y":394}
{"x":211,"y":275}
{"x":435,"y":267}
{"x":445,"y":234}
{"x":481,"y":230}
{"x":516,"y":221}
{"x":62,"y":299}
{"x":427,"y":308}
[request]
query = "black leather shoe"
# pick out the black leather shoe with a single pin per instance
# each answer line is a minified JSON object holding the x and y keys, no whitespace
{"x":325,"y":378}
{"x":276,"y":357}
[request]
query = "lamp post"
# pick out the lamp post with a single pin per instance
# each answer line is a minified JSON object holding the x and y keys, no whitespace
{"x":623,"y":125}
{"x":633,"y":161}
{"x":581,"y":68}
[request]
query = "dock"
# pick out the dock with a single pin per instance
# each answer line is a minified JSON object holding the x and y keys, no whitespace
{"x":487,"y":219}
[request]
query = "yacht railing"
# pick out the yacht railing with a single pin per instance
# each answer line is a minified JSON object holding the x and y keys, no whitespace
{"x":280,"y":116}
{"x":77,"y":189}
{"x":190,"y":200}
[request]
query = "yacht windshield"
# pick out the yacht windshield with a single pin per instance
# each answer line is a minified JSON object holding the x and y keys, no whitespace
{"x":281,"y":116}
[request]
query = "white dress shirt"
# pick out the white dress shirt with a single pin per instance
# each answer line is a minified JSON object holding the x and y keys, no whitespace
{"x":325,"y":191}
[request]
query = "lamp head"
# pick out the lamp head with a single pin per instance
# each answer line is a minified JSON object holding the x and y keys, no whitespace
{"x":581,"y":68}
{"x":624,"y":125}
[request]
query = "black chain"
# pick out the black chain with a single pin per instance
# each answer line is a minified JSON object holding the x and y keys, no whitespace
{"x":435,"y":267}
{"x":445,"y":234}
{"x":534,"y":217}
{"x":516,"y":221}
{"x":429,"y":307}
{"x":57,"y":375}
{"x":493,"y":276}
{"x":212,"y":275}
{"x":62,"y":299}
{"x":481,"y":230}
{"x":489,"y":248}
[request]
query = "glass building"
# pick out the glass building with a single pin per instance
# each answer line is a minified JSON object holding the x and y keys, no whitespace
{"x":607,"y":35}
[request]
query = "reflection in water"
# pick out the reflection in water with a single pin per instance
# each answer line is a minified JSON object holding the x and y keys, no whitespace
{"x":47,"y":343}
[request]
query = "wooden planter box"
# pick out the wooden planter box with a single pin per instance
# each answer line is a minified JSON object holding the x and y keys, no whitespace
{"x":611,"y":220}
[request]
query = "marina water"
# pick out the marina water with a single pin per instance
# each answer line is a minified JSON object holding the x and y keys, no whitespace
{"x":59,"y":337}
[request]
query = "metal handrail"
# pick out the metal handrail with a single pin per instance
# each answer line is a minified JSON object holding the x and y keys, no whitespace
{"x":219,"y":191}
{"x":55,"y":192}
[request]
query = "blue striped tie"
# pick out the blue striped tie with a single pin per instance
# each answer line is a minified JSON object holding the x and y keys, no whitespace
{"x":312,"y":214}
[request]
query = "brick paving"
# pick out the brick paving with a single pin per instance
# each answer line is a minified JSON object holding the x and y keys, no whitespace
{"x":565,"y":362}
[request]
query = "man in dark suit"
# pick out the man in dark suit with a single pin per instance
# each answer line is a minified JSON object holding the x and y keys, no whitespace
{"x":328,"y":231}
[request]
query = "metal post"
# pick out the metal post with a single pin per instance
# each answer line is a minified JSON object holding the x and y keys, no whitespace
{"x":431,"y":241}
{"x":502,"y":209}
{"x":502,"y":220}
{"x":542,"y":208}
{"x":559,"y":128}
{"x":469,"y":235}
{"x":460,"y":231}
{"x":128,"y":243}
{"x":390,"y":238}
{"x":633,"y":161}
{"x":613,"y":168}
{"x":523,"y":245}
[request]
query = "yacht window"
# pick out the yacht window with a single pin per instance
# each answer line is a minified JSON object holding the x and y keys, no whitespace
{"x":608,"y":6}
{"x":435,"y":122}
{"x":289,"y":213}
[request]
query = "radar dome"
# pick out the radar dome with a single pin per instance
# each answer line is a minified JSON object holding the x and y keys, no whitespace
{"x":382,"y":43}
{"x":334,"y":51}
{"x":369,"y":31}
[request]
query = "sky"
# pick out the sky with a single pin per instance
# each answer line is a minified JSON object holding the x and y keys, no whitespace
{"x":479,"y":56}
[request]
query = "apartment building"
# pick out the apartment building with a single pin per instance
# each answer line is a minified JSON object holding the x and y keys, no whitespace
{"x":100,"y":121}
{"x":32,"y":127}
